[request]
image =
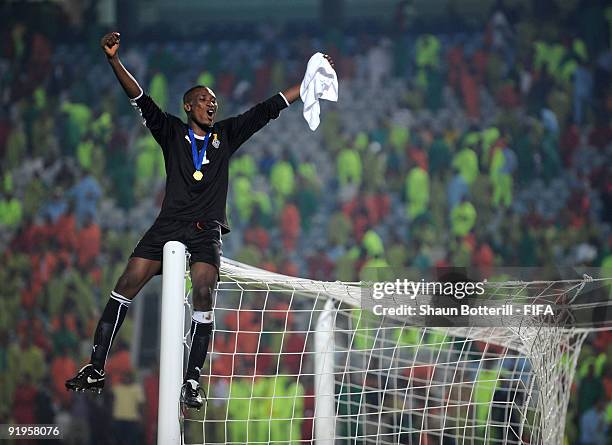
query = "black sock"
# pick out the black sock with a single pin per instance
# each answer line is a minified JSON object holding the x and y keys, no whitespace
{"x":200,"y":337}
{"x":108,"y":326}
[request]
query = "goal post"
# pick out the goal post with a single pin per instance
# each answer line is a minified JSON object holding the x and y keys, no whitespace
{"x":297,"y":361}
{"x":325,"y":421}
{"x":171,"y":340}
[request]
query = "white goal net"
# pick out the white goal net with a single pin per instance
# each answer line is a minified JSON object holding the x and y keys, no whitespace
{"x":297,"y":361}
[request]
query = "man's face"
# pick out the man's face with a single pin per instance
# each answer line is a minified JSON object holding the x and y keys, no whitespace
{"x":202,"y":106}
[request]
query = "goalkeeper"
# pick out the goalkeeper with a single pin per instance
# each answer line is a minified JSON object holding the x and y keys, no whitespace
{"x":196,"y":157}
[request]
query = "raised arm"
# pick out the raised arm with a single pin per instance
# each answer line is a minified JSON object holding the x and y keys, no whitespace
{"x":243,"y":126}
{"x":153,"y":117}
{"x":110,"y":44}
{"x":293,"y":93}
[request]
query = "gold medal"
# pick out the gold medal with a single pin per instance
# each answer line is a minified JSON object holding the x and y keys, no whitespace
{"x":197,"y":175}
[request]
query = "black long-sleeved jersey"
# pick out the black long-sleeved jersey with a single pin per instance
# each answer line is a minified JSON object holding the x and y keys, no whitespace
{"x":187,"y":199}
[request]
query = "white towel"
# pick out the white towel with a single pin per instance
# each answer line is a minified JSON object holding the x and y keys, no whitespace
{"x":320,"y":82}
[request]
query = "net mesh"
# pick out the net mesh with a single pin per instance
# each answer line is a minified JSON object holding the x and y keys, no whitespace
{"x":392,"y":383}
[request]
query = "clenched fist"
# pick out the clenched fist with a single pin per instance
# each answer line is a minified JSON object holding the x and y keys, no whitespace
{"x":110,"y":44}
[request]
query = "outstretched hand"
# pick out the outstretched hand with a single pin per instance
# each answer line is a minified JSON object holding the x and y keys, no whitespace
{"x":293,"y":93}
{"x":110,"y":43}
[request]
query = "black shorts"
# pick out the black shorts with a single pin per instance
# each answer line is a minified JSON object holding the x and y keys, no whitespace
{"x":202,"y":239}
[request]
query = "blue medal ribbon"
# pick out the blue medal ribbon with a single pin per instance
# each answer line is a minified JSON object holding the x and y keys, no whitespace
{"x":198,"y":157}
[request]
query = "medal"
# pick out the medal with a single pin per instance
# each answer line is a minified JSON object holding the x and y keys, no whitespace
{"x":198,"y":157}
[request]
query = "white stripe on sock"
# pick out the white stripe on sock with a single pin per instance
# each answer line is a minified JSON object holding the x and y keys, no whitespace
{"x":114,"y":330}
{"x":120,"y":298}
{"x":192,"y":336}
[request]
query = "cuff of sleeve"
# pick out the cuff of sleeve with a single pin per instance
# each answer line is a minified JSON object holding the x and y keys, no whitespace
{"x":138,"y":97}
{"x":284,"y":98}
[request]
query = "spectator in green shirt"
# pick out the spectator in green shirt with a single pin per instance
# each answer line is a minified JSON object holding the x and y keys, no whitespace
{"x":238,"y":409}
{"x":77,"y":124}
{"x":417,"y":192}
{"x":463,"y":218}
{"x":282,"y":181}
{"x":349,"y":167}
{"x":10,"y":211}
{"x":466,"y":161}
{"x":373,"y":244}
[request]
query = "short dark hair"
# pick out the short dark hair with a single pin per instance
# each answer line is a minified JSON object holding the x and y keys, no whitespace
{"x":189,"y":92}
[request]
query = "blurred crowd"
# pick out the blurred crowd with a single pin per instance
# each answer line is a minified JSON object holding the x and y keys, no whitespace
{"x":484,"y":148}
